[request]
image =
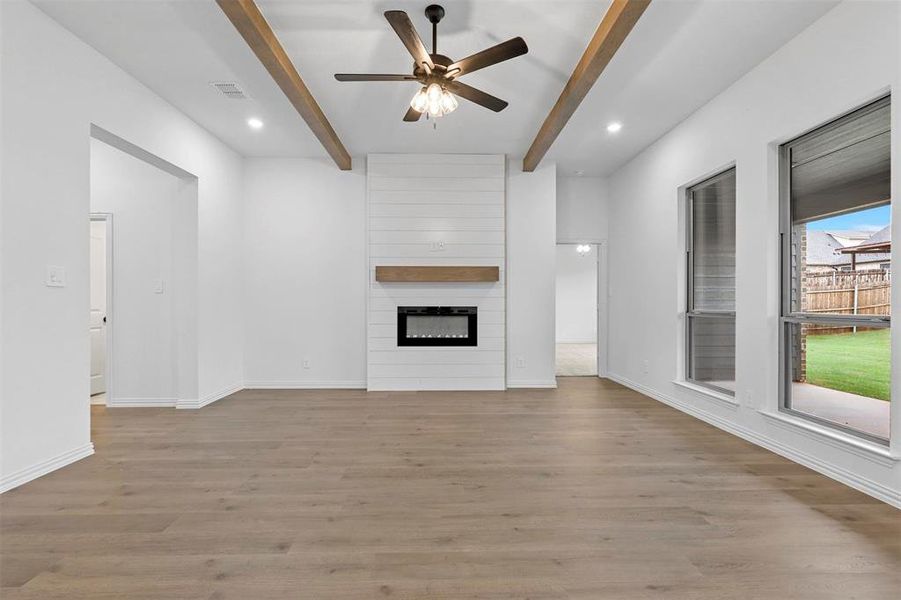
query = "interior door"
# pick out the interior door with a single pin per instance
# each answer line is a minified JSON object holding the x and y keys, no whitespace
{"x":98,"y":307}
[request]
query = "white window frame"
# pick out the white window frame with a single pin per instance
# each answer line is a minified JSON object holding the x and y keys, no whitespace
{"x":790,"y":317}
{"x":690,"y":311}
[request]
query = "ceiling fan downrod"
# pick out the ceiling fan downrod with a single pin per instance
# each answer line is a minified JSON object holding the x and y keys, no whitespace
{"x":434,"y":13}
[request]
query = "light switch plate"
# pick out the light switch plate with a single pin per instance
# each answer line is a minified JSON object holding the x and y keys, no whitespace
{"x":56,"y":276}
{"x":158,"y":286}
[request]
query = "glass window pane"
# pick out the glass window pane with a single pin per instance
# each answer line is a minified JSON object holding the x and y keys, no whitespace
{"x":842,"y":265}
{"x":840,"y":375}
{"x":711,"y":349}
{"x":713,"y":243}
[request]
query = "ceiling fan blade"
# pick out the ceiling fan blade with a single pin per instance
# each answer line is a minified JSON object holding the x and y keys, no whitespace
{"x":372,"y":77}
{"x":412,"y":115}
{"x":404,"y":29}
{"x":474,"y":95}
{"x":490,"y":56}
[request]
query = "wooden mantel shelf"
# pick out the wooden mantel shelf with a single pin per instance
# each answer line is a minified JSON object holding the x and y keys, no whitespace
{"x":437,"y":274}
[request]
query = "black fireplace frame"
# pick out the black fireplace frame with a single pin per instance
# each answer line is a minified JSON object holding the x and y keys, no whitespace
{"x":471,"y":339}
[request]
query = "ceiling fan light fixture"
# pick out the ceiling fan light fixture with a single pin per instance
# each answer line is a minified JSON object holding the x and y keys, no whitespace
{"x":434,"y":93}
{"x":420,"y":101}
{"x":434,"y":101}
{"x":448,"y":102}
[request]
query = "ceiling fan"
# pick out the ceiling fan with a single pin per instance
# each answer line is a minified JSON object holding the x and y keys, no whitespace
{"x":437,"y":73}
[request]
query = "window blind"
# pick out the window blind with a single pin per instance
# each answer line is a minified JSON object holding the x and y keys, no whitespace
{"x":843,"y":166}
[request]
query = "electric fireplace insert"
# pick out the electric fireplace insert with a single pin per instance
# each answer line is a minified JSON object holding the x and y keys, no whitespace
{"x":437,"y":326}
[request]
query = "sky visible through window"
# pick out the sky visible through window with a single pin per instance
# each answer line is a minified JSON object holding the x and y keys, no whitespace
{"x":871,"y":219}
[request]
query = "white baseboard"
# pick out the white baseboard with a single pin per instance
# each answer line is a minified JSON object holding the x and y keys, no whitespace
{"x":140,"y":402}
{"x":27,"y":474}
{"x":532,"y":383}
{"x":305,"y":385}
{"x":195,"y":403}
{"x":871,"y":488}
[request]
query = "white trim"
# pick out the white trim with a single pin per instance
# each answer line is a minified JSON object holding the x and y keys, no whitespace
{"x":42,"y":468}
{"x":838,"y":439}
{"x":532,"y":383}
{"x":708,"y":393}
{"x":871,"y":488}
{"x":305,"y":385}
{"x":140,"y":402}
{"x":602,"y":333}
{"x":195,"y":403}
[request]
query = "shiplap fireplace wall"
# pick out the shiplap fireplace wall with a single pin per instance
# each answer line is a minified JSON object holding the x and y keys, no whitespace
{"x":436,"y":209}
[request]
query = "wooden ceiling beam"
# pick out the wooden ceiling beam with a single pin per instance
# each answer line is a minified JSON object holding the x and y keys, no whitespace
{"x":618,"y":21}
{"x":245,"y":15}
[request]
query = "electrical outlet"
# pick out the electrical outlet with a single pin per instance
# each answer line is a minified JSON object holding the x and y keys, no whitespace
{"x":306,"y":363}
{"x":437,"y":246}
{"x":158,"y":286}
{"x":749,"y":399}
{"x":645,"y":367}
{"x":56,"y":276}
{"x":520,"y":362}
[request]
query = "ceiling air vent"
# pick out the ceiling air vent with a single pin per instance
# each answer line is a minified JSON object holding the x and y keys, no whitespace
{"x":229,"y":89}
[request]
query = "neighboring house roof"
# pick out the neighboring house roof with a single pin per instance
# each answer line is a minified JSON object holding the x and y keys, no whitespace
{"x":883,"y":235}
{"x":848,"y":237}
{"x":822,"y":249}
{"x":825,"y":249}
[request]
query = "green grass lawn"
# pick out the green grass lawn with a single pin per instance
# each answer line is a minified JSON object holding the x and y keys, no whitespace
{"x":851,"y":362}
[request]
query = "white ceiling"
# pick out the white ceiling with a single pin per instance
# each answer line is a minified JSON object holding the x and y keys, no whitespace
{"x":680,"y":55}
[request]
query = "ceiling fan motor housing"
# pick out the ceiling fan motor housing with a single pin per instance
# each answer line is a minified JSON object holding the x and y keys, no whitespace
{"x":437,"y":59}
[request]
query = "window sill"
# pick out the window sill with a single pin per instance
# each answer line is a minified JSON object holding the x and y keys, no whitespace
{"x":866,"y":449}
{"x":707,"y":393}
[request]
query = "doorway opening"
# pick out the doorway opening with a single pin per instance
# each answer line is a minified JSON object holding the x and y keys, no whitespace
{"x":143,"y":354}
{"x":577,"y":310}
{"x":101,"y":273}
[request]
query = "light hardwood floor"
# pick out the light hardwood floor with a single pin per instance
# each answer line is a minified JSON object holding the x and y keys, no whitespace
{"x":590,"y":491}
{"x":577,"y":360}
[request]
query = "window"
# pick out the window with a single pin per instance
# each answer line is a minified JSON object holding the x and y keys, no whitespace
{"x":710,"y":314}
{"x":835,"y":325}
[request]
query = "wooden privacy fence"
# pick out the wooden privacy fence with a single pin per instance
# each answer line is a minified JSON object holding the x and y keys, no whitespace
{"x":848,"y":293}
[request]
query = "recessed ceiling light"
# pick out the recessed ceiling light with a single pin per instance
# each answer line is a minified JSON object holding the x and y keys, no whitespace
{"x":614,"y":127}
{"x":254,"y":123}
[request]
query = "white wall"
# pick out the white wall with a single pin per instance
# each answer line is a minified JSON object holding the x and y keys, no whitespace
{"x":54,"y":88}
{"x":441,"y":209}
{"x":144,"y":202}
{"x":808,"y":82}
{"x":582,"y":209}
{"x":531,"y":264}
{"x":305,"y":274}
{"x":576,"y":295}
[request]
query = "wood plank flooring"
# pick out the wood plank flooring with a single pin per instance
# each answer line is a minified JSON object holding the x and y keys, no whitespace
{"x":590,"y":491}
